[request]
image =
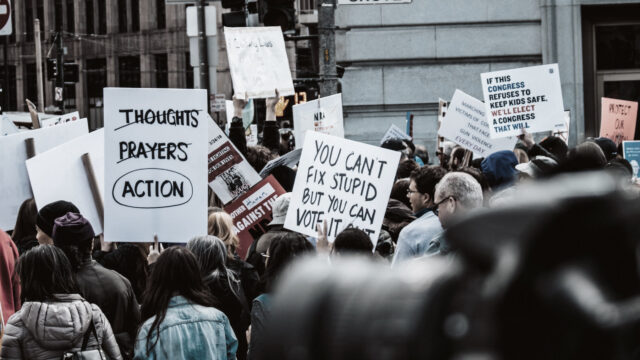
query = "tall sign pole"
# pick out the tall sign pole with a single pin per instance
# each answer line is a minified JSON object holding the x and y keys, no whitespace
{"x":5,"y":30}
{"x":59,"y":90}
{"x":327,"y":30}
{"x":202,"y":49}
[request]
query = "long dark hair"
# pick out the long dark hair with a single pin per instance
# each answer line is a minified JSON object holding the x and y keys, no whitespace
{"x":45,"y":271}
{"x":175,"y":273}
{"x":282,"y":251}
{"x":24,"y":232}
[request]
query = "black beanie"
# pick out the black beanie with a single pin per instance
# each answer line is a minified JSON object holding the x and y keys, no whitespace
{"x":50,"y":212}
{"x":72,"y":229}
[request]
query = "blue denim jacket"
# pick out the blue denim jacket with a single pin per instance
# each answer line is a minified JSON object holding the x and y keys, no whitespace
{"x":189,"y":331}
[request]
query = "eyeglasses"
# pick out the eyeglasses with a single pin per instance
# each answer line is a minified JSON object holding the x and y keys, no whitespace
{"x":409,"y":191}
{"x":436,"y":206}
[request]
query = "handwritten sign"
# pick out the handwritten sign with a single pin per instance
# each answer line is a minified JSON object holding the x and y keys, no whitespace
{"x":58,"y":174}
{"x":155,"y":164}
{"x":395,"y":132}
{"x":251,"y":213}
{"x":527,"y":98}
{"x":229,"y":174}
{"x":258,"y":62}
{"x":14,"y":178}
{"x":72,"y":116}
{"x":323,"y":115}
{"x":618,"y":120}
{"x":344,"y":182}
{"x":465,"y":124}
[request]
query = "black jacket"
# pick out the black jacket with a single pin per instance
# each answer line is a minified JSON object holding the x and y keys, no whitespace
{"x":128,"y":261}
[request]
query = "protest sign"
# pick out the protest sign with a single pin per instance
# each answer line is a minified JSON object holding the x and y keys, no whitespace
{"x":323,"y":115}
{"x":372,"y":2}
{"x":72,"y":116}
{"x":344,"y":182}
{"x":631,"y":152}
{"x":465,"y":124}
{"x":563,"y":131}
{"x":251,"y":213}
{"x":217,"y":102}
{"x":7,"y":127}
{"x":229,"y":174}
{"x":526,"y":98}
{"x":258,"y":62}
{"x":14,"y":178}
{"x":252,"y":135}
{"x":58,"y":174}
{"x":442,"y":111}
{"x":289,"y":159}
{"x":395,"y":132}
{"x":618,"y":120}
{"x":155,"y":164}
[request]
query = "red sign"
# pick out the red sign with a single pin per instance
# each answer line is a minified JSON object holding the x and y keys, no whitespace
{"x":221,"y":159}
{"x":251,"y":213}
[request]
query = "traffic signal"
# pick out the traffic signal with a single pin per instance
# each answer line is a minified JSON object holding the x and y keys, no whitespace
{"x":279,"y":13}
{"x":52,"y":69}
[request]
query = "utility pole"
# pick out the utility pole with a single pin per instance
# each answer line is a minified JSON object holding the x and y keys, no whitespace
{"x":327,"y":46}
{"x":202,"y":49}
{"x":36,"y":33}
{"x":59,"y":89}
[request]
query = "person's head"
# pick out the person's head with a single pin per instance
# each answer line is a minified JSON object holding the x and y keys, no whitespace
{"x":258,"y":156}
{"x":422,"y":153}
{"x":405,"y":168}
{"x":587,"y":156}
{"x":73,"y":234}
{"x":210,"y":252}
{"x":285,"y":175}
{"x":221,"y":226}
{"x":621,"y":168}
{"x":400,"y":190}
{"x":422,"y":185}
{"x":456,"y":160}
{"x":283,"y":250}
{"x":47,"y":215}
{"x":455,"y":194}
{"x":499,"y":168}
{"x":608,"y":147}
{"x":556,"y":146}
{"x":521,"y":155}
{"x":176,"y":272}
{"x":45,"y":271}
{"x":279,"y":209}
{"x":444,"y":152}
{"x":537,"y":167}
{"x":25,"y":227}
{"x":352,"y":241}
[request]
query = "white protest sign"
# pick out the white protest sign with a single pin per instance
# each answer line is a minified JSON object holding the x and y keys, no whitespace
{"x":344,"y":182}
{"x":72,"y":116}
{"x":395,"y":132}
{"x":7,"y":127}
{"x":527,"y":98}
{"x":14,"y":179}
{"x":258,"y":62}
{"x":465,"y":124}
{"x":229,"y":173}
{"x":155,"y":164}
{"x":252,"y":135}
{"x":59,"y":174}
{"x":372,"y":2}
{"x":322,"y":115}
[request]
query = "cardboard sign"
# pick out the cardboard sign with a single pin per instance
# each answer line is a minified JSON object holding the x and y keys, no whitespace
{"x":527,"y":98}
{"x":465,"y":124}
{"x":58,"y":174}
{"x":72,"y":116}
{"x":289,"y":159}
{"x":155,"y":164}
{"x":618,"y":120}
{"x":395,"y":132}
{"x":251,"y":213}
{"x":217,"y":102}
{"x":344,"y":182}
{"x":563,"y":132}
{"x":322,"y":115}
{"x":229,"y":174}
{"x":631,"y":152}
{"x":14,"y":178}
{"x":258,"y":62}
{"x":7,"y":127}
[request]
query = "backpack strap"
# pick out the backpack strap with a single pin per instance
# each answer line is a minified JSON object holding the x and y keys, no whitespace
{"x":87,"y":335}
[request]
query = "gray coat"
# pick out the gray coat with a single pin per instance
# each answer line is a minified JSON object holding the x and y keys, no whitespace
{"x":46,"y":330}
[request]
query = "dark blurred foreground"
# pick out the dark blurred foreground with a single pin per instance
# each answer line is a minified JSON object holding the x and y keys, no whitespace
{"x":553,"y":275}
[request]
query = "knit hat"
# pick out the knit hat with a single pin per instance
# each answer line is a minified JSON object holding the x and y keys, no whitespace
{"x":556,"y":146}
{"x":499,"y":168}
{"x":608,"y":147}
{"x":72,"y":229}
{"x":50,"y":212}
{"x":280,"y":208}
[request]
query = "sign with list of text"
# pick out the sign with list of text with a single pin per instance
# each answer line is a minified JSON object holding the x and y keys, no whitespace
{"x":343,"y":182}
{"x":155,"y":164}
{"x":523,"y":99}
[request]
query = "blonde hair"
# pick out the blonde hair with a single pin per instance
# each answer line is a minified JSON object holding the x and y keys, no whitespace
{"x":221,"y":226}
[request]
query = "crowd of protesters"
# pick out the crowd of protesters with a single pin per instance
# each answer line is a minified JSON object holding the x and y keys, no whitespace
{"x":67,"y":291}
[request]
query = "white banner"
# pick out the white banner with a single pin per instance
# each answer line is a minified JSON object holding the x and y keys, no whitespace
{"x":322,"y":115}
{"x":344,"y":182}
{"x":155,"y":164}
{"x":229,"y":174}
{"x":258,"y":62}
{"x":465,"y":124}
{"x":72,"y":116}
{"x":372,"y":2}
{"x":527,"y":98}
{"x":59,"y":174}
{"x":14,"y":178}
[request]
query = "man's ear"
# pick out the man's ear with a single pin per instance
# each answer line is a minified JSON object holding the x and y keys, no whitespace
{"x":427,"y":198}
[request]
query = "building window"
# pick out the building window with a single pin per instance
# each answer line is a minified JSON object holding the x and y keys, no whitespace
{"x":188,"y":71}
{"x":71,"y":21}
{"x":28,"y":24}
{"x":102,"y":17}
{"x":129,"y":71}
{"x":58,"y":13}
{"x":10,"y":91}
{"x":162,"y":74}
{"x":135,"y":15}
{"x":69,"y":97}
{"x":122,"y":16}
{"x":161,"y":14}
{"x":30,"y":85}
{"x":89,"y":17}
{"x":96,"y":71}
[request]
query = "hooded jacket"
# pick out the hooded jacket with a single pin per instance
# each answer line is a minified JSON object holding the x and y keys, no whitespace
{"x":46,"y":330}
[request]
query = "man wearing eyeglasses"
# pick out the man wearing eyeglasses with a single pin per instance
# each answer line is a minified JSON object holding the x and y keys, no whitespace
{"x":414,"y":239}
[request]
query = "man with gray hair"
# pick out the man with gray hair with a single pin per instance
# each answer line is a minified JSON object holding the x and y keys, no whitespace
{"x":455,"y":194}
